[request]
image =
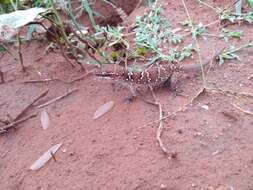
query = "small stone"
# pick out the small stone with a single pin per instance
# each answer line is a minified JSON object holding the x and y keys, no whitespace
{"x":203,"y":144}
{"x":197,"y":134}
{"x":206,"y":107}
{"x":194,"y":185}
{"x":180,"y":131}
{"x":215,"y":153}
{"x":162,"y":186}
{"x":71,"y":154}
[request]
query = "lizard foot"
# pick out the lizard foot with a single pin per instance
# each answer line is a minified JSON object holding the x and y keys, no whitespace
{"x":130,"y":98}
{"x":172,"y":86}
{"x":132,"y":91}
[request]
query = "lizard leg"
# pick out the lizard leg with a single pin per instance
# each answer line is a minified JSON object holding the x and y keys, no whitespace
{"x":132,"y":91}
{"x":167,"y":83}
{"x":171,"y":85}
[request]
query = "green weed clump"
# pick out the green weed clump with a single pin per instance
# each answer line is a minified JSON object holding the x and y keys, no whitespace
{"x":151,"y":38}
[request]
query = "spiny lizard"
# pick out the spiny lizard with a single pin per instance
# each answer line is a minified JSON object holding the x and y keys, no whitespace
{"x":154,"y":76}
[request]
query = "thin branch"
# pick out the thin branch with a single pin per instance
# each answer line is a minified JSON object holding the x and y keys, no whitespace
{"x":161,"y":126}
{"x":43,"y":94}
{"x":197,"y":45}
{"x":2,"y":77}
{"x":230,"y":93}
{"x":42,"y":81}
{"x":209,"y":6}
{"x":5,"y":128}
{"x":20,"y":55}
{"x":56,"y":99}
{"x":242,"y":110}
{"x":65,"y":56}
{"x":82,"y":76}
{"x":60,"y":80}
{"x":180,"y":109}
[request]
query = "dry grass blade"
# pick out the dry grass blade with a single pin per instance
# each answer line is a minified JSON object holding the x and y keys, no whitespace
{"x":103,"y":109}
{"x":243,"y":110}
{"x":56,"y":99}
{"x":45,"y":157}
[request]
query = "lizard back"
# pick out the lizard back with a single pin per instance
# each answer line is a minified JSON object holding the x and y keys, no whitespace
{"x":154,"y":74}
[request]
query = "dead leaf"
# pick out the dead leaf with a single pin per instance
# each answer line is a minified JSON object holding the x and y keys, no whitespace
{"x":44,"y":118}
{"x":45,"y":157}
{"x":103,"y":109}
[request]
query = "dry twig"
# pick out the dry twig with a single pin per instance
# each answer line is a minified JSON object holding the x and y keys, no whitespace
{"x":65,"y":56}
{"x":45,"y":81}
{"x":5,"y":128}
{"x":82,"y":76}
{"x":60,"y":80}
{"x":57,"y":98}
{"x":230,"y":93}
{"x":1,"y":77}
{"x":161,"y":126}
{"x":180,"y":109}
{"x":43,"y":94}
{"x":242,"y":110}
{"x":20,"y":55}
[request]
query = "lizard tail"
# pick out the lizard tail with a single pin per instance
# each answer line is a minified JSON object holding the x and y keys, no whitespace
{"x":197,"y":67}
{"x":108,"y":75}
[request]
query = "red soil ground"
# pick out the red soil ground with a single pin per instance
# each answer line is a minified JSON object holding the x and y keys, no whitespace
{"x":119,"y":150}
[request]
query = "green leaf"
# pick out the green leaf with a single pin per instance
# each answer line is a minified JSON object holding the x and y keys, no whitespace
{"x":2,"y":49}
{"x":89,"y":11}
{"x":235,"y":34}
{"x":5,"y":1}
{"x":250,"y":2}
{"x":249,"y":17}
{"x":227,"y":56}
{"x":238,"y":7}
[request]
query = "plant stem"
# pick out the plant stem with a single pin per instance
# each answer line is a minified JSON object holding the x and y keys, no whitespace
{"x":206,"y":4}
{"x":20,"y":53}
{"x":1,"y":77}
{"x":197,"y":46}
{"x":9,"y":51}
{"x":239,"y":48}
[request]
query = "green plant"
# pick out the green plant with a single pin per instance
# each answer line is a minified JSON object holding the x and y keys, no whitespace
{"x":114,"y":35}
{"x":197,"y":30}
{"x":227,"y":34}
{"x":41,"y":3}
{"x":228,"y":16}
{"x":232,"y":53}
{"x":88,"y":9}
{"x":187,"y":52}
{"x":250,"y":2}
{"x":152,"y":30}
{"x":6,"y":7}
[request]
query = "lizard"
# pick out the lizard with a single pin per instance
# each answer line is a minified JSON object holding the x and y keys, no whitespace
{"x":154,"y":76}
